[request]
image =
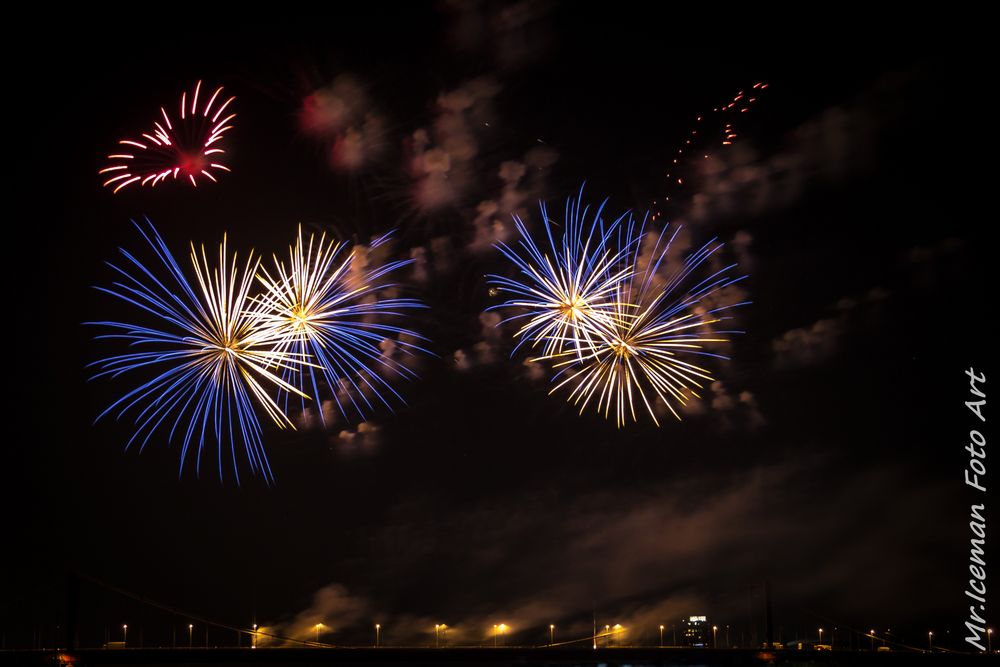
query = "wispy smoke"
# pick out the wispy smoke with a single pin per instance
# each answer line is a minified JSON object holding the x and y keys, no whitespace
{"x":440,"y":160}
{"x":511,"y":33}
{"x":817,"y":342}
{"x":343,"y":117}
{"x":692,"y":539}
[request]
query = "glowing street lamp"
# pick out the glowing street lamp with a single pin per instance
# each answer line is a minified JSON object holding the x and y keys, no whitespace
{"x":190,"y":635}
{"x":125,"y":634}
{"x":502,"y":628}
{"x":253,"y":640}
{"x":873,"y":639}
{"x":930,"y":640}
{"x":552,"y":634}
{"x":436,"y":634}
{"x":495,"y":635}
{"x":661,"y":635}
{"x":318,"y":626}
{"x":378,"y":630}
{"x":989,"y":640}
{"x":715,"y":629}
{"x":821,"y":635}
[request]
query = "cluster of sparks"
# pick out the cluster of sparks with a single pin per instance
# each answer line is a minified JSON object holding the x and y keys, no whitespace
{"x":189,"y":147}
{"x":620,"y":320}
{"x":216,"y":353}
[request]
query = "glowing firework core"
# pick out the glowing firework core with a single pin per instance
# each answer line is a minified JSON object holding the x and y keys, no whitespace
{"x":573,"y":307}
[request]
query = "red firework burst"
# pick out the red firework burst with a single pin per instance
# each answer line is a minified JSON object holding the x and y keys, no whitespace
{"x":187,"y":148}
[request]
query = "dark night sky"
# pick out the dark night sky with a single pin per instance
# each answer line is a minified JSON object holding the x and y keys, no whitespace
{"x":482,"y":500}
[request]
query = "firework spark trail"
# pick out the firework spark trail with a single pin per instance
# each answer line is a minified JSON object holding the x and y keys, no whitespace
{"x":639,"y":354}
{"x":569,"y":295}
{"x":211,"y":358}
{"x":319,"y":307}
{"x":724,"y":134}
{"x":189,"y":147}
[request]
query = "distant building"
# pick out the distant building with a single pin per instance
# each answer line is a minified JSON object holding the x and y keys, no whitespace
{"x":697,"y":632}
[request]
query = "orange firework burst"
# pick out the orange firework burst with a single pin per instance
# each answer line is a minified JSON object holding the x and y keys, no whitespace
{"x":188,"y":147}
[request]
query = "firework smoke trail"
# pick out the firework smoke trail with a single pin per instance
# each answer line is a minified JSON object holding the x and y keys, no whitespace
{"x":188,"y":147}
{"x":321,"y":307}
{"x":212,"y":358}
{"x":658,"y":322}
{"x":568,"y":291}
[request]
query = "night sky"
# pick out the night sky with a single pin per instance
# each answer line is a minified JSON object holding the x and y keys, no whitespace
{"x":827,"y":461}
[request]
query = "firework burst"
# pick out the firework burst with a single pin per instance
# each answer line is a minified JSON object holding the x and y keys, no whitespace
{"x":326,"y":305}
{"x":567,"y":289}
{"x":622,"y":325}
{"x":661,"y":327}
{"x":187,"y":147}
{"x":208,"y":360}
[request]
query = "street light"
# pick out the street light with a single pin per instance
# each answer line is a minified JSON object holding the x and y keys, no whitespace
{"x":318,"y":626}
{"x":436,"y":627}
{"x":190,"y":635}
{"x":494,"y":635}
{"x":930,"y":640}
{"x":378,"y":629}
{"x":821,"y":635}
{"x":253,"y":641}
{"x":125,"y":634}
{"x":989,"y":640}
{"x":873,"y":639}
{"x":617,"y":629}
{"x":661,"y":636}
{"x":714,"y":643}
{"x":552,"y":634}
{"x":502,"y":628}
